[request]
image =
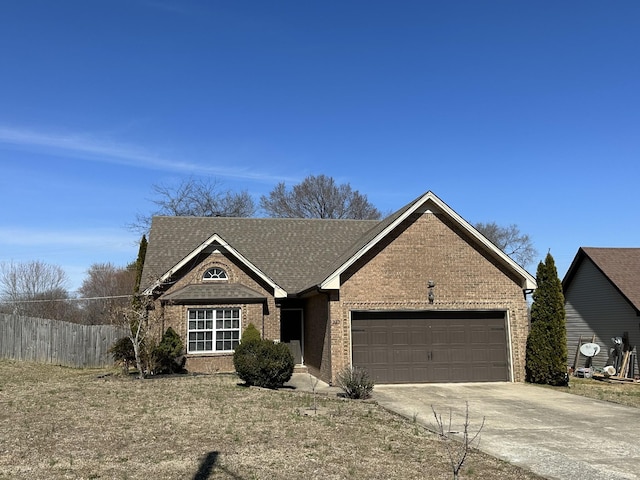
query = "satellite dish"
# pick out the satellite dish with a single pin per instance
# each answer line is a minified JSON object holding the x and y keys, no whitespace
{"x":590,"y":349}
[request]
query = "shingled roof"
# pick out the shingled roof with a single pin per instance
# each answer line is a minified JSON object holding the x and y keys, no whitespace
{"x":621,"y":266}
{"x":293,"y":254}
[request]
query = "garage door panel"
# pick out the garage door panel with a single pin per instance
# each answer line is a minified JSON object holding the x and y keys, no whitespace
{"x":379,"y":337}
{"x":439,"y":336}
{"x":482,"y":373}
{"x":440,"y":374}
{"x":496,"y":335}
{"x":418,"y":372}
{"x":419,"y":336}
{"x":419,"y":355}
{"x":380,"y":356}
{"x":401,"y":347}
{"x":479,"y":335}
{"x":379,"y":374}
{"x":400,"y":338}
{"x":401,"y":355}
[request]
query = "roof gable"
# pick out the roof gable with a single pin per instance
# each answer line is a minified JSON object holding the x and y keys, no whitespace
{"x":429,"y":202}
{"x":621,"y":267}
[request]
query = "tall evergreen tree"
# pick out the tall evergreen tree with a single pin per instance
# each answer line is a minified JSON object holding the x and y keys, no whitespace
{"x":546,"y":361}
{"x":142,"y":252}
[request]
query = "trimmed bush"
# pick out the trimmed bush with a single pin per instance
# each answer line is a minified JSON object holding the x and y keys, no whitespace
{"x":355,"y":382}
{"x":168,"y":355}
{"x":263,"y":363}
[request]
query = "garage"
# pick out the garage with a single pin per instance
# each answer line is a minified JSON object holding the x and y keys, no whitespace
{"x":431,"y":346}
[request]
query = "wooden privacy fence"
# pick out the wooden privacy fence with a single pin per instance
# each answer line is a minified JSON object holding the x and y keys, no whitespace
{"x":59,"y":343}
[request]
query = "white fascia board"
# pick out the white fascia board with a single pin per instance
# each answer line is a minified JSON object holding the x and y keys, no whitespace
{"x":277,"y":291}
{"x":332,"y":282}
{"x":528,"y":282}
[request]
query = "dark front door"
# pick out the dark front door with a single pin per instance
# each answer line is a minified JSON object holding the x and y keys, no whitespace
{"x":291,"y":332}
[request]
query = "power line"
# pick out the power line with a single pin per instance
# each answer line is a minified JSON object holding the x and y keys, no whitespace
{"x":80,"y":299}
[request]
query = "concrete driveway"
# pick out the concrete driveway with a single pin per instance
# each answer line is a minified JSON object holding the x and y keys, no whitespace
{"x":556,"y":435}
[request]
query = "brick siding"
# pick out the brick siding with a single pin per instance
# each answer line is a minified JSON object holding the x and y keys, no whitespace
{"x":264,"y":317}
{"x":395,"y":276}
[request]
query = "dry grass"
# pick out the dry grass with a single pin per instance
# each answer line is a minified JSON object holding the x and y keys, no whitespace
{"x":60,"y":423}
{"x":624,"y":393}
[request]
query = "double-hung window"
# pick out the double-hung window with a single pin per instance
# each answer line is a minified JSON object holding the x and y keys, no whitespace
{"x":213,"y":330}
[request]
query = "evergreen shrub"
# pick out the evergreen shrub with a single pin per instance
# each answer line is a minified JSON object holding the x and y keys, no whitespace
{"x":546,"y":357}
{"x":261,"y":362}
{"x":168,"y":355}
{"x":250,"y":334}
{"x":122,"y":353}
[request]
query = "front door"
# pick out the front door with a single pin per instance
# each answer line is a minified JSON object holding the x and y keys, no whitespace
{"x":291,"y":332}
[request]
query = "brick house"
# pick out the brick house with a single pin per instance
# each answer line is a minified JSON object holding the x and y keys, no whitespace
{"x":420,"y":296}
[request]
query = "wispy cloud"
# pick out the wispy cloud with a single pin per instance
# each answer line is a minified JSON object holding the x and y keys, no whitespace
{"x":112,"y":239}
{"x":109,"y":151}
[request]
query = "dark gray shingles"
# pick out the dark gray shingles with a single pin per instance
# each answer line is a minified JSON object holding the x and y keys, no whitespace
{"x":216,"y":291}
{"x":292,"y":252}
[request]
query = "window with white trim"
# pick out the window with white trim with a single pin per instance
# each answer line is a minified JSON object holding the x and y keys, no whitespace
{"x":215,"y":273}
{"x":213,"y":330}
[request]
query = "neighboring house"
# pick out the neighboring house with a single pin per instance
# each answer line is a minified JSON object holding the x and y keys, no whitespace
{"x":420,"y":296}
{"x":602,"y":299}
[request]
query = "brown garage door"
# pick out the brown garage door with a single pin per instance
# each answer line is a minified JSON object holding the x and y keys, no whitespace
{"x":415,"y":347}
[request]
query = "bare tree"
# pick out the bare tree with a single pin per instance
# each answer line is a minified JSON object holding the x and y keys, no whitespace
{"x":35,"y":289}
{"x":198,"y":198}
{"x":457,"y":448}
{"x":106,"y":288}
{"x":510,"y":240}
{"x":318,"y":197}
{"x":135,"y":320}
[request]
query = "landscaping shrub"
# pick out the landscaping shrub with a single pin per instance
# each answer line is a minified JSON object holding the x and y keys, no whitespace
{"x":263,"y":363}
{"x":122,"y":353}
{"x":355,"y":382}
{"x":245,"y":357}
{"x":168,"y":355}
{"x":250,"y":334}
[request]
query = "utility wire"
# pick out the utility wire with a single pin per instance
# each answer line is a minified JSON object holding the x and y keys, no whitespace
{"x":80,"y":299}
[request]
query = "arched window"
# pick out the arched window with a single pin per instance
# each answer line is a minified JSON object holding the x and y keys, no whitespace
{"x":215,"y":273}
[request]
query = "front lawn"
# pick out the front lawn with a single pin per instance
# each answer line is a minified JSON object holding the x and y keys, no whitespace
{"x":62,"y":423}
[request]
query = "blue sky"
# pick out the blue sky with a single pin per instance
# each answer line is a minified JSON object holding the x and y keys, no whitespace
{"x":513,"y":112}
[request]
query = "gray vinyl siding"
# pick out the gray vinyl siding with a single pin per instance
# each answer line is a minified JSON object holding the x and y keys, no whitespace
{"x":595,"y":307}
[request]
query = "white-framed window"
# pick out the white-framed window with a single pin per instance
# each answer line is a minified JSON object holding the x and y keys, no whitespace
{"x":215,"y":273}
{"x":213,"y":330}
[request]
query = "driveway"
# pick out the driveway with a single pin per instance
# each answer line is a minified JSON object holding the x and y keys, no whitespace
{"x":556,"y":435}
